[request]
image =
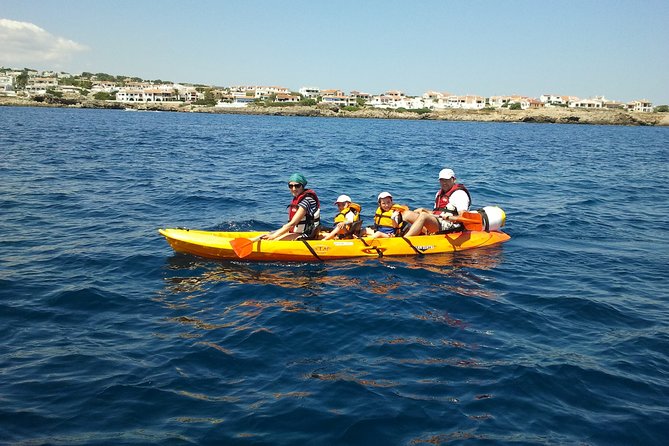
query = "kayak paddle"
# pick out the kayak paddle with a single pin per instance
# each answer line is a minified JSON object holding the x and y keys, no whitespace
{"x":471,"y":221}
{"x":244,"y":246}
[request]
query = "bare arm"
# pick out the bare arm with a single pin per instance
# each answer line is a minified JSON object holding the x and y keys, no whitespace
{"x":299,"y":215}
{"x":334,"y":231}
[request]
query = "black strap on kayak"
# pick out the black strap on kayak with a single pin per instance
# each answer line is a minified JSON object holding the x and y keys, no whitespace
{"x":311,"y":250}
{"x":375,"y":248}
{"x":411,"y":244}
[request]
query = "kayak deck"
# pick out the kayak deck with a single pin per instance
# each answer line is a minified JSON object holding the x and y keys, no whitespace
{"x":216,"y":245}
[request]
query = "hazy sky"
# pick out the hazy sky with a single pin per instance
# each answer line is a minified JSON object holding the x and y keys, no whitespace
{"x":619,"y":49}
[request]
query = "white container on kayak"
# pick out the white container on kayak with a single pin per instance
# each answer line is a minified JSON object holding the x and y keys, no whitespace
{"x":493,"y":218}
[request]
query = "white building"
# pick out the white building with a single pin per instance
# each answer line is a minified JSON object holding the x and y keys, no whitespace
{"x":360,"y":95}
{"x":382,"y":101}
{"x":288,"y":98}
{"x":158,"y":93}
{"x":586,"y":103}
{"x":104,"y":86}
{"x":467,"y":102}
{"x":39,"y":85}
{"x":553,"y":99}
{"x":341,"y":100}
{"x":125,"y":94}
{"x":239,"y":100}
{"x":266,"y":92}
{"x":7,"y":86}
{"x":642,"y":105}
{"x":310,"y":92}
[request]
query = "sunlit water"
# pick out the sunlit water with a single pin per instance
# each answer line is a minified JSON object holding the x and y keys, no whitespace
{"x":560,"y":336}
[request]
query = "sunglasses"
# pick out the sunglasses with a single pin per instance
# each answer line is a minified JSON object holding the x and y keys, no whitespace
{"x":294,"y":186}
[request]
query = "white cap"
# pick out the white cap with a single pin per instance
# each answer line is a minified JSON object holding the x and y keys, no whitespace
{"x":446,"y":174}
{"x":343,"y":199}
{"x":384,"y":195}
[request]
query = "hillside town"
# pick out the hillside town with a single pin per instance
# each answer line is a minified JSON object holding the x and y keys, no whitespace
{"x":128,"y":90}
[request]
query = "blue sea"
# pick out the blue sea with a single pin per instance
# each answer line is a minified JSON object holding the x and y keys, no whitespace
{"x":559,"y":336}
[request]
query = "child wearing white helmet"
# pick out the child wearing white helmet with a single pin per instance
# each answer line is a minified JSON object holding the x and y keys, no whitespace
{"x":387,"y":219}
{"x":346,"y":218}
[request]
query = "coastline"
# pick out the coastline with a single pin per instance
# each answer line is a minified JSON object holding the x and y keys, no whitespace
{"x":545,"y":115}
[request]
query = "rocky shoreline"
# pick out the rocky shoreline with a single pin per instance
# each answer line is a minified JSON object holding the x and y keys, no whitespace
{"x":545,"y":115}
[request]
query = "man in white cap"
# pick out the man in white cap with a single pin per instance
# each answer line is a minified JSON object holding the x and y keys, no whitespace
{"x":450,"y":200}
{"x":348,"y":214}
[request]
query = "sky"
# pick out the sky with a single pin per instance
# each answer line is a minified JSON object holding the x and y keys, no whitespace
{"x":585,"y":48}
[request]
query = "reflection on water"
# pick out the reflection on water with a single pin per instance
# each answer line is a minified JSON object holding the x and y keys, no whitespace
{"x":316,"y":276}
{"x":287,"y":275}
{"x":191,"y":283}
{"x":481,"y":259}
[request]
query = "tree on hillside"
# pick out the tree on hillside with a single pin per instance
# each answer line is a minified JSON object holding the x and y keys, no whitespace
{"x":21,"y":81}
{"x":209,"y":98}
{"x":104,"y":77}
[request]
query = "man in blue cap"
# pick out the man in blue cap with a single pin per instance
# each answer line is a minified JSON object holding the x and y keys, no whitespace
{"x":304,"y":212}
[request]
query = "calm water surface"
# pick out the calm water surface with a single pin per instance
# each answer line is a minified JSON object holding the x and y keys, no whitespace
{"x":560,"y":336}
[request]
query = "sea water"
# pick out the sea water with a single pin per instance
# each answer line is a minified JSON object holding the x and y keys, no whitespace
{"x":559,"y":336}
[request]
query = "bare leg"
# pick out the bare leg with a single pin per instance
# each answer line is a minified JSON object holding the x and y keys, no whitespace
{"x":410,"y":216}
{"x":289,"y":236}
{"x":379,"y":234}
{"x":424,"y":220}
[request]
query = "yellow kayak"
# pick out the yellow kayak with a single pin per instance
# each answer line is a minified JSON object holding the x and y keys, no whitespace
{"x":222,"y":245}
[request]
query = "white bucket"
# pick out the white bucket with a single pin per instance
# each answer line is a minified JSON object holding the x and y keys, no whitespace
{"x":493,"y":218}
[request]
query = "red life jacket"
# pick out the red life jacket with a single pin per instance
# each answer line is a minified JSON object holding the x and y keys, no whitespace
{"x":441,"y":198}
{"x":309,"y":222}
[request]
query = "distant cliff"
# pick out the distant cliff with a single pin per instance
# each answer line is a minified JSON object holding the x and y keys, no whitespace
{"x":544,"y":115}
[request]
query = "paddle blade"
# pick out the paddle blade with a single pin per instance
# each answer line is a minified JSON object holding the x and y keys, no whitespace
{"x":472,"y":221}
{"x":470,"y":225}
{"x":242,"y":247}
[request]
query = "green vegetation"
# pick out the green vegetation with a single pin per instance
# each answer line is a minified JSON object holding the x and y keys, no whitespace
{"x":104,"y":96}
{"x":21,"y":80}
{"x":662,"y":109}
{"x":209,"y":98}
{"x":80,"y":82}
{"x":104,"y":77}
{"x":515,"y":106}
{"x":420,"y":111}
{"x":351,"y":108}
{"x":308,"y":102}
{"x":281,"y":104}
{"x":54,"y":93}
